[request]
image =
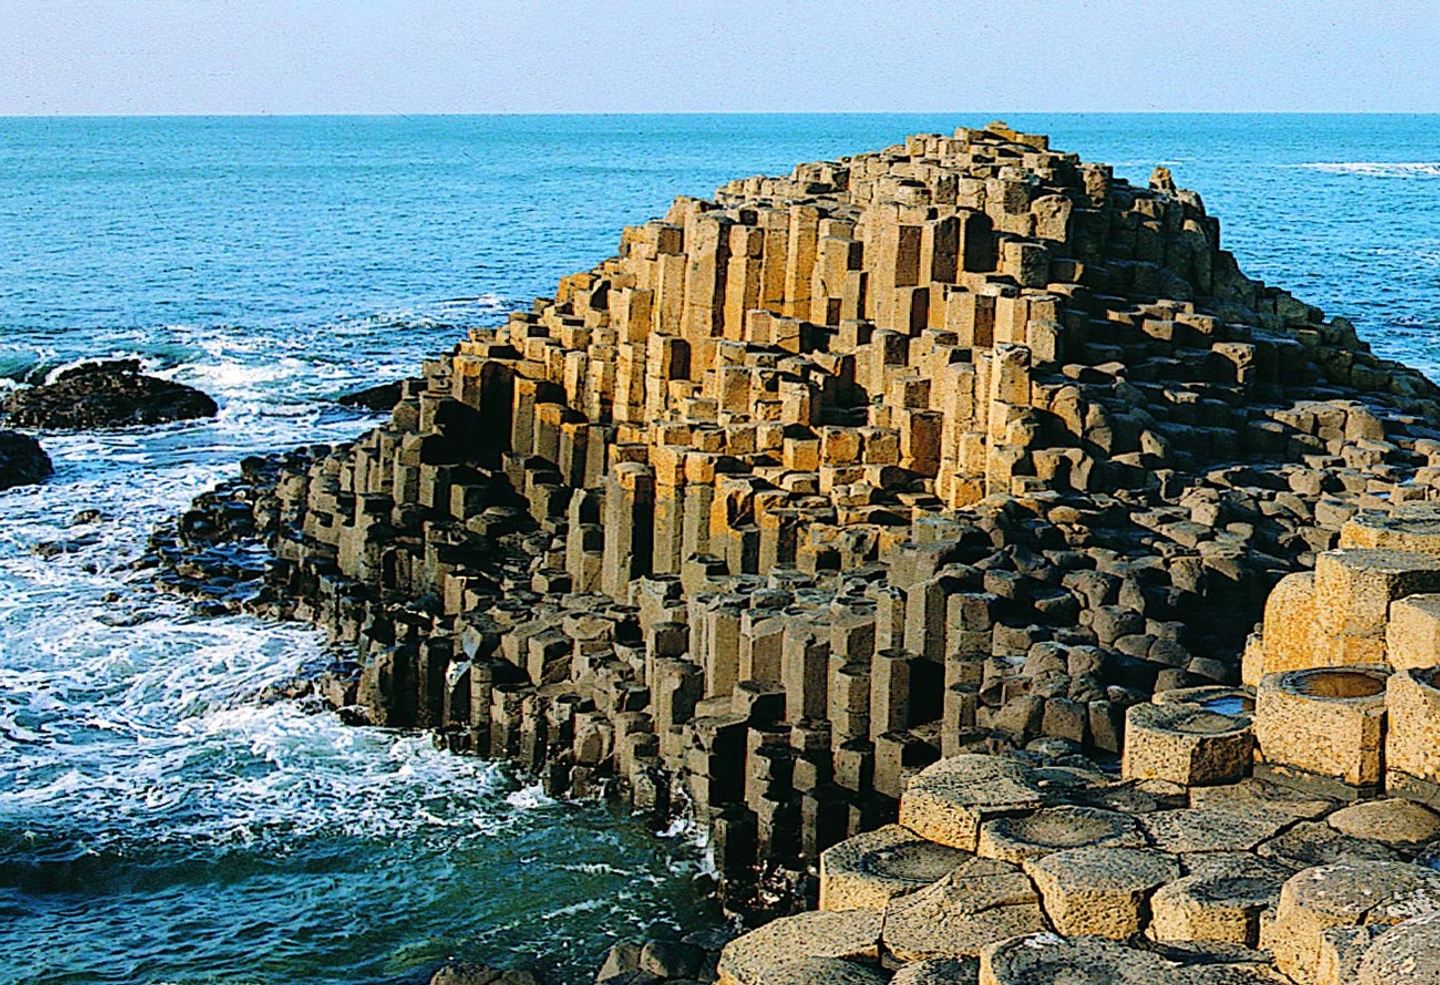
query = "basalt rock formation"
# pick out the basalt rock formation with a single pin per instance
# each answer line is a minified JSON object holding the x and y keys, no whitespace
{"x":22,"y":461}
{"x":953,"y":453}
{"x":105,"y":394}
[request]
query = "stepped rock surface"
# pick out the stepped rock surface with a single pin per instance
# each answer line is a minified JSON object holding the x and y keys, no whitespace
{"x":889,"y":491}
{"x":104,"y":394}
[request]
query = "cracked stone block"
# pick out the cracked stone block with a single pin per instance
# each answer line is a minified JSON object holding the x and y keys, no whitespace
{"x":808,"y":971}
{"x":939,"y":971}
{"x":870,"y":869}
{"x":983,"y":900}
{"x":1412,"y":636}
{"x":1210,"y":829}
{"x":948,"y":801}
{"x":1406,"y":954}
{"x":1101,"y":891}
{"x":1221,"y":903}
{"x":1393,"y":821}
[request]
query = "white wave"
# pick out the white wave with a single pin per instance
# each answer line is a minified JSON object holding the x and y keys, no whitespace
{"x":529,"y":798}
{"x":1377,"y":169}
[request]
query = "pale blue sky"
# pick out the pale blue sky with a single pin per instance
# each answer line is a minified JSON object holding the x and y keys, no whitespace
{"x":394,"y":56}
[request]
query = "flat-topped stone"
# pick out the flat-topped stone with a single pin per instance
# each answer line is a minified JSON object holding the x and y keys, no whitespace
{"x":1186,"y":743}
{"x":1101,"y":891}
{"x":939,"y":971}
{"x":983,"y":900}
{"x":1221,"y":902}
{"x":1210,"y":829}
{"x":1406,"y":954}
{"x":948,"y":801}
{"x":852,"y":935}
{"x":811,"y":971}
{"x":1052,"y":829}
{"x":868,"y":870}
{"x":1394,"y":821}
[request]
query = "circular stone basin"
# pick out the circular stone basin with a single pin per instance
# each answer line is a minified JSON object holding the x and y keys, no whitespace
{"x":1208,"y":723}
{"x":1230,"y":704}
{"x":1337,"y":685}
{"x":918,"y":861}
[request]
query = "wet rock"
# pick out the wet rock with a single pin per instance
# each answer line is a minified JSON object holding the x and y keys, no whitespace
{"x":464,"y":973}
{"x":112,"y":393}
{"x":380,"y":398}
{"x":22,"y":461}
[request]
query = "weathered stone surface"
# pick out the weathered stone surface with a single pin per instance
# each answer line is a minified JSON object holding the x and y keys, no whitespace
{"x":1186,"y":743}
{"x":947,"y":802}
{"x":1210,"y":829}
{"x":1103,"y":892}
{"x":1324,"y":721}
{"x":1014,"y":839}
{"x":866,"y":871}
{"x":983,"y":900}
{"x":852,"y":935}
{"x":1223,"y":901}
{"x":1392,"y":821}
{"x":104,"y":395}
{"x":1406,"y":954}
{"x":1343,"y":895}
{"x":812,"y":971}
{"x":939,"y":971}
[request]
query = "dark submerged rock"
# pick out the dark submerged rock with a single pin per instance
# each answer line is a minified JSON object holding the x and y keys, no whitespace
{"x":22,"y":461}
{"x":461,"y":973}
{"x":110,"y":393}
{"x":380,"y":398}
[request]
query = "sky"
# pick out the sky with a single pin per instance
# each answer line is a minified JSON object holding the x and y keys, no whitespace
{"x":67,"y":57}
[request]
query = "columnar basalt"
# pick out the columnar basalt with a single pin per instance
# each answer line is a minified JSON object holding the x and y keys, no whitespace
{"x":958,"y":448}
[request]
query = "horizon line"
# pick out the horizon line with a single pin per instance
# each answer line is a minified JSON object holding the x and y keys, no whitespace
{"x":236,"y":114}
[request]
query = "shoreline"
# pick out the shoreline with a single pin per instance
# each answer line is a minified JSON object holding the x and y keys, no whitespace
{"x":954,"y":448}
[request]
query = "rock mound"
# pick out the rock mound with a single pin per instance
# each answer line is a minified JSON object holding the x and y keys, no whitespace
{"x":22,"y":460}
{"x":110,"y":393}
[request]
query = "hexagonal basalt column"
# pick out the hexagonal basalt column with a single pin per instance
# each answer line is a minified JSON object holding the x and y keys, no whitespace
{"x":1220,"y":901}
{"x":1324,"y":724}
{"x":1186,"y":743}
{"x":1345,"y":894}
{"x":949,"y":800}
{"x":1053,"y":829}
{"x":1412,"y":744}
{"x":1101,"y":891}
{"x":1353,"y":592}
{"x":870,"y":869}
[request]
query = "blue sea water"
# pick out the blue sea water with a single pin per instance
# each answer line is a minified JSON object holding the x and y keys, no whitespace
{"x":158,"y":825}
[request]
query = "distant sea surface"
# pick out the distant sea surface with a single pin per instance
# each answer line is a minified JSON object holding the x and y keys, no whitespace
{"x":158,"y":825}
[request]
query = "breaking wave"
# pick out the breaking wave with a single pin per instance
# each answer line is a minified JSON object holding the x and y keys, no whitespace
{"x":1378,"y":169}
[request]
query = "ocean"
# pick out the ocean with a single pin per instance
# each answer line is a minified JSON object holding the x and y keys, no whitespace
{"x":157,"y":823}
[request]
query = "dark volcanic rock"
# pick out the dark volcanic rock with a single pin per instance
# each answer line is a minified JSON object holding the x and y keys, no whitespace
{"x":22,"y":460}
{"x":475,"y":974}
{"x":111,"y":393}
{"x":379,"y":398}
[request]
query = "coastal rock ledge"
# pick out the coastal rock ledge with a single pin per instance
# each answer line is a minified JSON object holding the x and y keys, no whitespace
{"x":109,"y":393}
{"x":907,"y":521}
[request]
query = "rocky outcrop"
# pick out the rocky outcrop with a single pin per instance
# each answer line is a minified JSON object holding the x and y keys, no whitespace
{"x":379,"y":398}
{"x":105,"y":394}
{"x":886,"y":491}
{"x":22,"y":461}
